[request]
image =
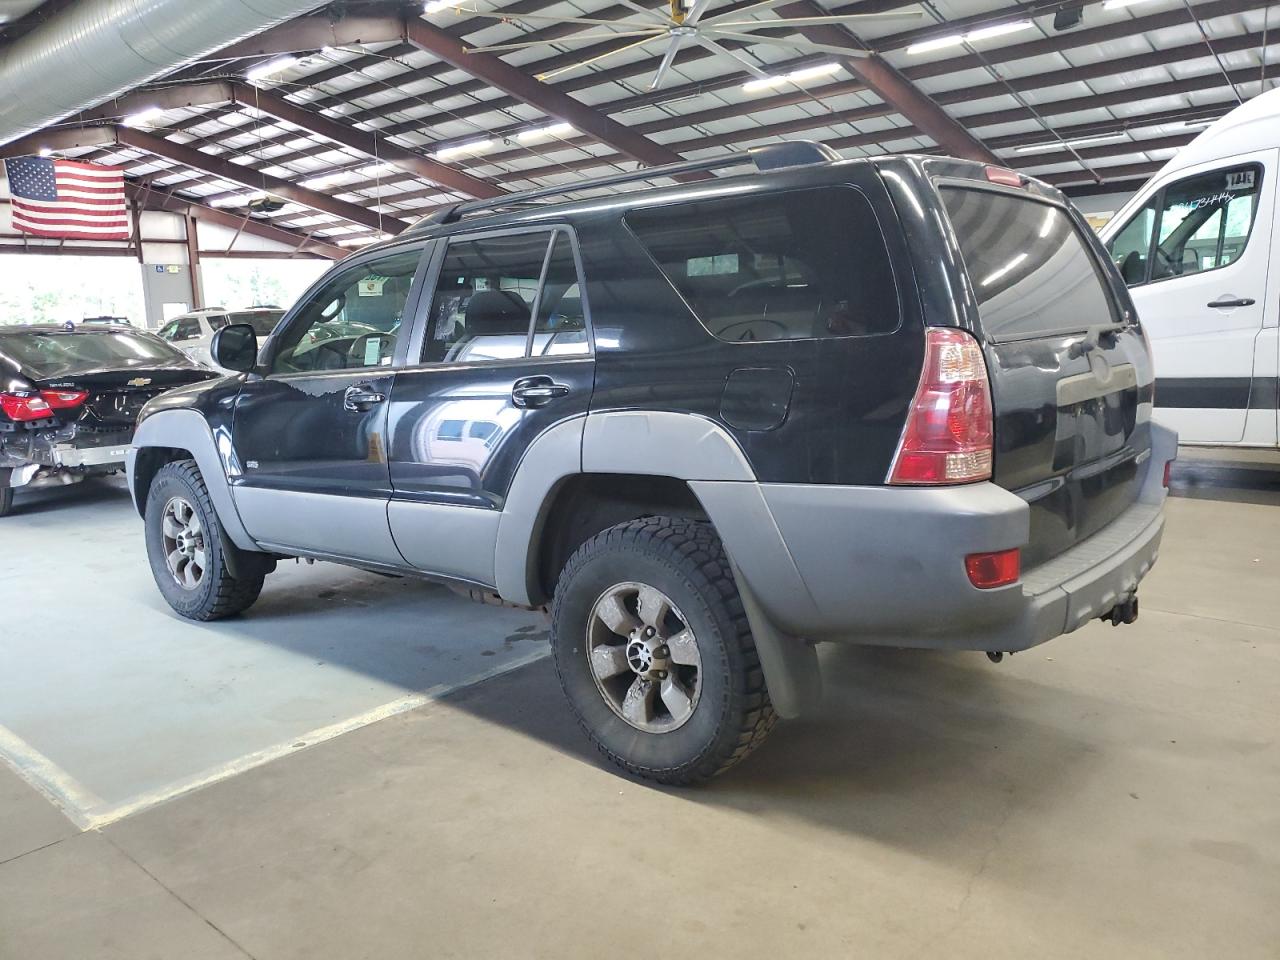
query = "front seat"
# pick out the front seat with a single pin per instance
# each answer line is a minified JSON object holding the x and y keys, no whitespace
{"x":490,"y":314}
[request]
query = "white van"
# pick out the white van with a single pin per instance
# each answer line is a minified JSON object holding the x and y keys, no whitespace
{"x":1197,"y":246}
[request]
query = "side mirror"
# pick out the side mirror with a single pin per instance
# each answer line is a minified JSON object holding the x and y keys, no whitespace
{"x":235,"y":347}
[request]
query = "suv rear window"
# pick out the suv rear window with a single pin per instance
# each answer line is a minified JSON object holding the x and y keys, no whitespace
{"x":1031,"y":273}
{"x":784,"y":266}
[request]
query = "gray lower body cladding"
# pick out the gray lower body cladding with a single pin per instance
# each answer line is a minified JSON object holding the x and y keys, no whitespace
{"x":885,"y":565}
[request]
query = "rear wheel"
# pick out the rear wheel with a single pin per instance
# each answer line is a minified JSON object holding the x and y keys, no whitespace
{"x":186,"y":549}
{"x":654,"y":653}
{"x":6,"y":500}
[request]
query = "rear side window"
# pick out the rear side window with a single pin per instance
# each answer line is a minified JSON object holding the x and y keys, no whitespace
{"x":1030,"y":270}
{"x":784,"y":266}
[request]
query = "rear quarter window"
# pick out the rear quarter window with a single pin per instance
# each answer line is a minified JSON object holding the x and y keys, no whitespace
{"x":800,"y":264}
{"x":1030,"y":270}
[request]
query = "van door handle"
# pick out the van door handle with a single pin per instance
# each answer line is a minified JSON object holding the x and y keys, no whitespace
{"x":536,"y":391}
{"x":1227,"y":303}
{"x":359,"y":397}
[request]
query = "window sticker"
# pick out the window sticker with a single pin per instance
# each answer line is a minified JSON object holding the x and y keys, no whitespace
{"x":1241,"y":179}
{"x":371,"y":286}
{"x":711,"y":266}
{"x":372,"y":351}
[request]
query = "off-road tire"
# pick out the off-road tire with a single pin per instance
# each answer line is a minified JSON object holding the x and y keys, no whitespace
{"x":218,"y":593}
{"x":686,"y":561}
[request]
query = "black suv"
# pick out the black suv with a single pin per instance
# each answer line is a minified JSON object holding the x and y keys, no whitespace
{"x":900,"y":401}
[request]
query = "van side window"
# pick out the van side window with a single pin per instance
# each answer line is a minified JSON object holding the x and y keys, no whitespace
{"x":782,"y":266}
{"x":1196,"y":224}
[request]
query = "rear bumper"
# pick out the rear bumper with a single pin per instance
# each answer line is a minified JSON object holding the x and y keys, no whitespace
{"x":885,"y":566}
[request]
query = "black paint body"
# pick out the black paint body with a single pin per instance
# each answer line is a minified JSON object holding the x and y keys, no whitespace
{"x":811,"y":411}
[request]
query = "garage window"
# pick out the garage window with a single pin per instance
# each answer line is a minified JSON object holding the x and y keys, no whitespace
{"x":783,"y":266}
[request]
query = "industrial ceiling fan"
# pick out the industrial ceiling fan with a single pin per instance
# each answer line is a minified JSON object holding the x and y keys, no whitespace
{"x":681,"y":26}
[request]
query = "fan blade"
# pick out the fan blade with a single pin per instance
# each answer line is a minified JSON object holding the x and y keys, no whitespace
{"x":590,"y":21}
{"x":853,"y":18}
{"x":665,"y":65}
{"x":762,"y":5}
{"x":752,"y":67}
{"x":497,"y":47}
{"x":608,"y":53}
{"x":660,"y":16}
{"x":794,"y":43}
{"x":696,"y":11}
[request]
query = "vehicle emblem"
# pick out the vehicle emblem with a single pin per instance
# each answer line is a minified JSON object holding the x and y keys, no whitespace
{"x":139,"y":381}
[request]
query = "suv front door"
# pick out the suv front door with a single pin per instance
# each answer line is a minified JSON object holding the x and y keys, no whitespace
{"x":505,"y":354}
{"x":310,"y":434}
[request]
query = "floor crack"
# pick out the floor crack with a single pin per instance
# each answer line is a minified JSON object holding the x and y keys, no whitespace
{"x":43,"y":846}
{"x":173,"y":893}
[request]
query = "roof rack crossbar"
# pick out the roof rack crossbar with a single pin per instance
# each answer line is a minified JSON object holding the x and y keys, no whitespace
{"x":767,"y":157}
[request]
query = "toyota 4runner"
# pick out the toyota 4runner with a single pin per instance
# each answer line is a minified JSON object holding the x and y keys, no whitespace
{"x":900,"y":401}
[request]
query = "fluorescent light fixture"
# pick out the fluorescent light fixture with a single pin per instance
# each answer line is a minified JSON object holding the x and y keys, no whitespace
{"x":363,"y":240}
{"x":1196,"y":124}
{"x":998,"y":30}
{"x":475,"y":146}
{"x":323,"y":180}
{"x":263,"y":70}
{"x":937,"y":43}
{"x":1049,"y":145}
{"x":796,"y":76}
{"x":1119,"y":4}
{"x":537,"y":133}
{"x":377,"y":170}
{"x":142,"y":117}
{"x":435,"y":6}
{"x":237,"y":200}
{"x":982,"y":33}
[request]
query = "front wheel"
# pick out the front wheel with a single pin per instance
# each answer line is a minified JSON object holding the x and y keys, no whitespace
{"x":185,"y":547}
{"x":654,"y":653}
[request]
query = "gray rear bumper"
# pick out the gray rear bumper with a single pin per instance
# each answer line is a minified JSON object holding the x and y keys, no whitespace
{"x":885,"y":565}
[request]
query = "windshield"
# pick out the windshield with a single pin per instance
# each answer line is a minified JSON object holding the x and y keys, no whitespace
{"x":1029,"y":268}
{"x":262,"y":321}
{"x":48,"y":354}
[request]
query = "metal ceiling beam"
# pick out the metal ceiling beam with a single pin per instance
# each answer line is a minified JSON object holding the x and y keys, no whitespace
{"x":315,"y":32}
{"x":500,"y":74}
{"x":1115,"y":174}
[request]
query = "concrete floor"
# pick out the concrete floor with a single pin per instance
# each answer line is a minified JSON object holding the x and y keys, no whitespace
{"x":1110,"y":794}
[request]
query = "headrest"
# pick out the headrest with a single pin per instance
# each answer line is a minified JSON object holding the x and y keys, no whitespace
{"x":496,"y":311}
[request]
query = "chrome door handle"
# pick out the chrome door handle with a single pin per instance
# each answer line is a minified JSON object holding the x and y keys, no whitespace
{"x":536,"y":391}
{"x":1228,"y":302}
{"x":359,"y":397}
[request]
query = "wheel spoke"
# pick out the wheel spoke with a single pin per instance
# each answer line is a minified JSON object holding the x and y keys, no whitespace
{"x":171,"y":527}
{"x":193,"y":525}
{"x":676,"y":698}
{"x":199,"y":560}
{"x":615,"y":615}
{"x":189,"y":575}
{"x":654,"y":607}
{"x":684,"y":649}
{"x":637,"y":706}
{"x":609,"y":660}
{"x":175,"y":559}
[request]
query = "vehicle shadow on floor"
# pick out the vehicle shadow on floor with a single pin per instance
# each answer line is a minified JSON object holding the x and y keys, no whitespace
{"x":94,"y":492}
{"x":915,"y":749}
{"x":1226,"y":479}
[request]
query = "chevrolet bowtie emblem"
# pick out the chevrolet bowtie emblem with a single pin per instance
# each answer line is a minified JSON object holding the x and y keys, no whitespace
{"x":139,"y":381}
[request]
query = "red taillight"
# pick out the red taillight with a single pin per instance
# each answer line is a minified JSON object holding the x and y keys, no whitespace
{"x":25,"y":407}
{"x":998,"y":569}
{"x":1004,"y":176}
{"x":948,"y":436}
{"x":64,"y":399}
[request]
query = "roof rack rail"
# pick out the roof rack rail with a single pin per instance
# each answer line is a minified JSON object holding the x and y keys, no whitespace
{"x":770,"y":156}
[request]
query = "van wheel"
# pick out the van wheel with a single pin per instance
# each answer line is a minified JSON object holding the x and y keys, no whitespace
{"x":186,"y":548}
{"x":6,"y":500}
{"x":654,"y":653}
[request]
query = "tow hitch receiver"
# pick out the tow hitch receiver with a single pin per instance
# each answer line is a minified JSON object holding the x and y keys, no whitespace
{"x":1126,"y":611}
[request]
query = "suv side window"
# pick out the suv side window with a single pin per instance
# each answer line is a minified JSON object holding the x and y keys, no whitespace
{"x":188,"y":329}
{"x":353,"y":320}
{"x":168,"y":331}
{"x":506,"y":297}
{"x":1191,"y":226}
{"x":783,"y":266}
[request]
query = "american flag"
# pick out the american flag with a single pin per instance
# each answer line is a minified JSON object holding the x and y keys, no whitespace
{"x":67,"y":199}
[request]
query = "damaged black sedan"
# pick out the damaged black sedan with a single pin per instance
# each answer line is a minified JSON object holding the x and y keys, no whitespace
{"x":70,"y":396}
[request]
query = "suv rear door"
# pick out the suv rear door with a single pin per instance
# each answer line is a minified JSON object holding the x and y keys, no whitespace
{"x":1070,"y":372}
{"x":310,"y":434}
{"x":505,"y":354}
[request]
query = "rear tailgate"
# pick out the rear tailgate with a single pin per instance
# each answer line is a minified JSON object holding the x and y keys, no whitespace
{"x":1070,"y":372}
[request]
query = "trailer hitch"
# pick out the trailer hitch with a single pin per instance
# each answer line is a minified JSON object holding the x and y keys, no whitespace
{"x":1126,"y":611}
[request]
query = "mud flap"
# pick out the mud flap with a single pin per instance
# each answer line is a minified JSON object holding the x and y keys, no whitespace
{"x":790,"y":665}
